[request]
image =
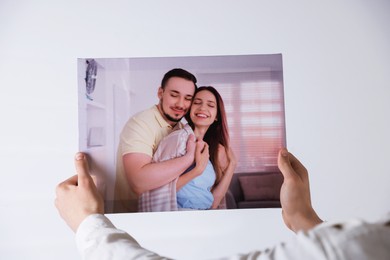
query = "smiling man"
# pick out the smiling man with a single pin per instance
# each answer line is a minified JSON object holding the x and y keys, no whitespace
{"x":141,"y":135}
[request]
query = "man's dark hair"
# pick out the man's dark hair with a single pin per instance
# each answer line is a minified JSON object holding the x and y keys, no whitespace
{"x":180,"y":73}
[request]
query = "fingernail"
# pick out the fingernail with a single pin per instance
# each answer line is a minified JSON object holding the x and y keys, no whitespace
{"x":79,"y":156}
{"x":284,"y":152}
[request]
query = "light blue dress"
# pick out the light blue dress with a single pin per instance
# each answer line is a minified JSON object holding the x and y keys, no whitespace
{"x":196,"y":194}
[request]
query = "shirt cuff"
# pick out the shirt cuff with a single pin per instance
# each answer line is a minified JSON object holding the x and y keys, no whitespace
{"x":89,"y":225}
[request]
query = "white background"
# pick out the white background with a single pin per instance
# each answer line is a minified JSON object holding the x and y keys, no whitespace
{"x":336,"y":62}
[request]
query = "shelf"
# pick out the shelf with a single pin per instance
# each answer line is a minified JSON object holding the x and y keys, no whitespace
{"x":95,"y":104}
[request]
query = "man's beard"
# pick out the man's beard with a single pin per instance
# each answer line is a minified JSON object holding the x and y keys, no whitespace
{"x":169,"y":117}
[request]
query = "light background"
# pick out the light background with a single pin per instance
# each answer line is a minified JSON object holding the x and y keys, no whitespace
{"x":336,"y":62}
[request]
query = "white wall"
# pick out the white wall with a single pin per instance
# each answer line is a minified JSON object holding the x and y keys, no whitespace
{"x":336,"y":59}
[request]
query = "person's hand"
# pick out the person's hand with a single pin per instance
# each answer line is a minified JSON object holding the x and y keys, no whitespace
{"x":201,"y":160}
{"x":78,"y":197}
{"x":298,"y":213}
{"x":191,"y":147}
{"x":201,"y":156}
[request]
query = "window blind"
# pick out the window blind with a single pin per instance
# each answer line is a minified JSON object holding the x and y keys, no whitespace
{"x":254,"y":106}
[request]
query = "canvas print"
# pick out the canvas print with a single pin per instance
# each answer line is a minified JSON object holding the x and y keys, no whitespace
{"x":183,"y":133}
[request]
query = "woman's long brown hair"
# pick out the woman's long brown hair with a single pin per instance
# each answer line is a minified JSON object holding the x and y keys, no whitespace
{"x":217,"y":134}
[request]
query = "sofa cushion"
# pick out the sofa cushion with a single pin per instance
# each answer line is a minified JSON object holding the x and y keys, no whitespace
{"x":261,"y":187}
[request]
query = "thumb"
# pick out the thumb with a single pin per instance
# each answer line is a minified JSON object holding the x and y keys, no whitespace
{"x":191,"y":143}
{"x":203,"y":146}
{"x":191,"y":138}
{"x":82,"y":169}
{"x":284,"y":163}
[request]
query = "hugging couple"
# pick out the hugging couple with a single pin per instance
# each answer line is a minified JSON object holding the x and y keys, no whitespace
{"x":164,"y":164}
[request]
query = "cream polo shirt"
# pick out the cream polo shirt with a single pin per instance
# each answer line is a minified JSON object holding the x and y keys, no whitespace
{"x":141,"y":134}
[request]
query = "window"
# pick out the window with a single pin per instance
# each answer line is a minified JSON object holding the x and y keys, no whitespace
{"x":254,"y":105}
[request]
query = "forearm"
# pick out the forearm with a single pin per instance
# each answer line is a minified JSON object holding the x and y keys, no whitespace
{"x":220,"y":190}
{"x":154,"y":175}
{"x":187,"y":177}
{"x":97,"y":238}
{"x":304,"y":221}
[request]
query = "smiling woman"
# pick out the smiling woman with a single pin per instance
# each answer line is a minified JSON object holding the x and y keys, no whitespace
{"x":208,"y":119}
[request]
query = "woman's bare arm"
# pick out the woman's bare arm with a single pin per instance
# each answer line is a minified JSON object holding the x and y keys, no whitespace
{"x":228,"y":164}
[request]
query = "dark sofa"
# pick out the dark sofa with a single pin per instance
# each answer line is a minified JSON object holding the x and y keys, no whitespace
{"x":254,"y":190}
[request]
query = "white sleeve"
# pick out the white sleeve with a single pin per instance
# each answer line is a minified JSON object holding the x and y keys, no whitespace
{"x":353,"y":239}
{"x":97,"y":238}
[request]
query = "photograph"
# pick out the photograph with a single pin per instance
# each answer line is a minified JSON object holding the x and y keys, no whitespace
{"x":183,"y":133}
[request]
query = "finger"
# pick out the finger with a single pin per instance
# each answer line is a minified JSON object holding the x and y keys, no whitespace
{"x":82,"y":169}
{"x":191,"y":138}
{"x":70,"y":181}
{"x":199,"y":148}
{"x":65,"y":185}
{"x":206,"y":149}
{"x":191,"y":146}
{"x":56,"y":202}
{"x":298,"y":167}
{"x":199,"y":145}
{"x":284,"y":164}
{"x":95,"y":180}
